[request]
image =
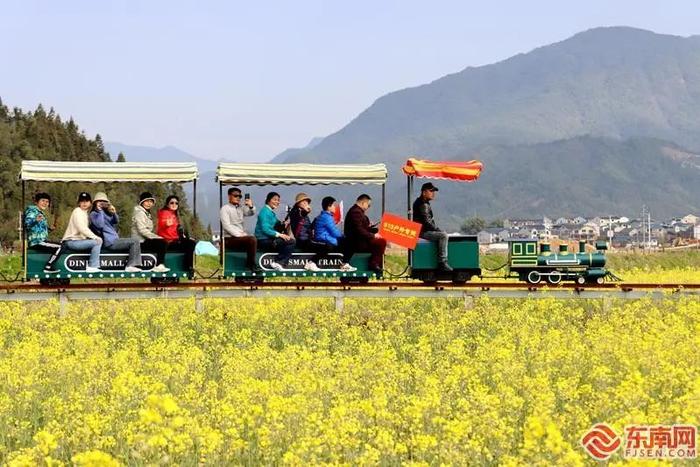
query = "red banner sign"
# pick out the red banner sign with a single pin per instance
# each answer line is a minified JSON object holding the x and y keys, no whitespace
{"x":400,"y":231}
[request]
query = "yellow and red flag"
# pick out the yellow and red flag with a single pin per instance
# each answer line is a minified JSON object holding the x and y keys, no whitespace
{"x":463,"y":171}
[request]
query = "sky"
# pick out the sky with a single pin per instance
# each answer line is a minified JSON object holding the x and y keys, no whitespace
{"x":244,"y":80}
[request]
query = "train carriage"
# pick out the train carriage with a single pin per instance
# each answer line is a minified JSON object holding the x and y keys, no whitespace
{"x":72,"y":264}
{"x":235,"y":174}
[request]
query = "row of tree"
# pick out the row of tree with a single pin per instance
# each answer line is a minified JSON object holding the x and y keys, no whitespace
{"x":474,"y":225}
{"x":42,"y":135}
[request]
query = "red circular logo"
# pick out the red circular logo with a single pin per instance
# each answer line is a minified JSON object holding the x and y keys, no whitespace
{"x":601,"y":442}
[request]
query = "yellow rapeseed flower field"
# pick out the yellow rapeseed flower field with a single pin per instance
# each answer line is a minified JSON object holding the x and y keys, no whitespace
{"x":421,"y":382}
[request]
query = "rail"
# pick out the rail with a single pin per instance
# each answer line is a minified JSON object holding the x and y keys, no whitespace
{"x":200,"y":290}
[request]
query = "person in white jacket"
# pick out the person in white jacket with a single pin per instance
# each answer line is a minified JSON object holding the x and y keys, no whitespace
{"x":79,"y":237}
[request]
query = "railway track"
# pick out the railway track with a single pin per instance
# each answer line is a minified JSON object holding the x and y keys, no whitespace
{"x":338,"y":292}
{"x":378,"y":285}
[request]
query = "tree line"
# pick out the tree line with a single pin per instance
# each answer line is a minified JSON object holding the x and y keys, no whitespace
{"x":42,"y":135}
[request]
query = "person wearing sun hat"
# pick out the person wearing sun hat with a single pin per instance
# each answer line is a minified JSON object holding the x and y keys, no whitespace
{"x":79,"y":237}
{"x":104,"y":222}
{"x":301,"y":228}
{"x":142,"y":230}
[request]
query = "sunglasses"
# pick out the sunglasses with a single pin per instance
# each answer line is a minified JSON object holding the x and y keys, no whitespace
{"x":174,"y":203}
{"x":236,"y":196}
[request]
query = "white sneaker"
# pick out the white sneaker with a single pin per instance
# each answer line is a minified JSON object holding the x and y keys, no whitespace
{"x":276,"y":266}
{"x":311,"y":266}
{"x":91,"y":269}
{"x":160,"y":268}
{"x":347,"y":268}
{"x":131,"y":269}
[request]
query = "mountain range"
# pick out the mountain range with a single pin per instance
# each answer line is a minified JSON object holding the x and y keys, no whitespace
{"x":599,"y":123}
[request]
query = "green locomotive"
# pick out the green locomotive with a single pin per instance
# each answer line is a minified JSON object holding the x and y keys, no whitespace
{"x":530,"y":265}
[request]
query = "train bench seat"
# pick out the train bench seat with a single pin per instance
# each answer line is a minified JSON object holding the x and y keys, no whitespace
{"x":235,"y":261}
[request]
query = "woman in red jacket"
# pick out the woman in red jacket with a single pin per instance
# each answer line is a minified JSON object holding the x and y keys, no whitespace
{"x":170,"y":228}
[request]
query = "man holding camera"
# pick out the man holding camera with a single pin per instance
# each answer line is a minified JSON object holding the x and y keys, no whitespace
{"x":235,"y":236}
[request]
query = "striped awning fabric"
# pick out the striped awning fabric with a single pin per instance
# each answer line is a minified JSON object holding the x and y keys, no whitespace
{"x":96,"y":172}
{"x":467,"y":171}
{"x":301,"y":174}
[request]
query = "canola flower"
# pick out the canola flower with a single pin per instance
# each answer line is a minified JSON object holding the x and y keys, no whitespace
{"x":293,"y":382}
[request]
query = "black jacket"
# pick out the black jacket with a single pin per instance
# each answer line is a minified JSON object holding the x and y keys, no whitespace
{"x":357,"y":225}
{"x":423,"y":214}
{"x":301,"y":224}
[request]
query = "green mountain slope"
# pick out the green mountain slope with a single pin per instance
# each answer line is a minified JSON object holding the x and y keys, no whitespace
{"x":611,"y":82}
{"x":585,"y":175}
{"x":593,"y":95}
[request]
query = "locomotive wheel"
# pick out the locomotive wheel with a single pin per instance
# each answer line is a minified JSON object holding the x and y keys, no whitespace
{"x":428,"y":277}
{"x":600,"y":280}
{"x":534,"y":277}
{"x":554,"y":277}
{"x":580,"y":280}
{"x":461,"y":277}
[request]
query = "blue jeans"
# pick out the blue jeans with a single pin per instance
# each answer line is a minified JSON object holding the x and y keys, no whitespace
{"x":134,"y":247}
{"x":84,"y":245}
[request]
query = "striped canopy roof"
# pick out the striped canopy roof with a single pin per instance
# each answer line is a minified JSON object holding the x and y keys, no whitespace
{"x":467,"y":171}
{"x":301,"y":174}
{"x":96,"y":172}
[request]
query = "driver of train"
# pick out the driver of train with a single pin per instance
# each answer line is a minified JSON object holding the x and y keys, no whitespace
{"x":423,"y":214}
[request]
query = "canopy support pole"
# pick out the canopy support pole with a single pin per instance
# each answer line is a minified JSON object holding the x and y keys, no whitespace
{"x":222,"y":243}
{"x":409,"y":195}
{"x":21,"y":232}
{"x":383,"y":198}
{"x":409,"y":211}
{"x":194,"y":197}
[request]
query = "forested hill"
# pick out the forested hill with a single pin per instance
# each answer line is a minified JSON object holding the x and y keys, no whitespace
{"x":42,"y":135}
{"x":612,"y":103}
{"x":616,"y":82}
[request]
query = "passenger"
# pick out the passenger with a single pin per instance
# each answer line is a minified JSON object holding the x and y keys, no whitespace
{"x":423,"y":214}
{"x":79,"y":237}
{"x":325,"y":231}
{"x":142,"y":230}
{"x":235,"y":236}
{"x":103,"y":221}
{"x":362,"y":237}
{"x":268,"y":231}
{"x":173,"y":232}
{"x":37,"y":228}
{"x":301,"y":228}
